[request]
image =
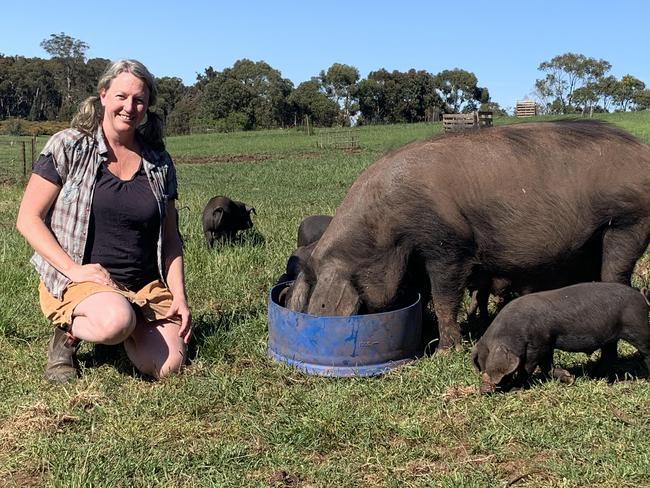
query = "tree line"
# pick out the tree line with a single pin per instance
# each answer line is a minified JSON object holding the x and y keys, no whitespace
{"x":248,"y":95}
{"x":254,"y":95}
{"x":576,"y":83}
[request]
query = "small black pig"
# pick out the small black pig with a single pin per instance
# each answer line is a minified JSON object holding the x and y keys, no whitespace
{"x":577,"y":318}
{"x":223,"y":217}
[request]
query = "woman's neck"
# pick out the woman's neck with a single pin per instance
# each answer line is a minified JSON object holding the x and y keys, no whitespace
{"x":121,"y":142}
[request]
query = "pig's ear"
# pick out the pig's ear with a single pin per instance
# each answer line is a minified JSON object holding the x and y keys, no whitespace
{"x":333,"y":294}
{"x":217,"y":215}
{"x":250,"y":209}
{"x":476,"y":357}
{"x":501,"y":362}
{"x":297,"y":295}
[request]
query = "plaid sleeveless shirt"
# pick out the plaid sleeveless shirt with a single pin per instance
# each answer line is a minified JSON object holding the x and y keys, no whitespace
{"x":77,"y":157}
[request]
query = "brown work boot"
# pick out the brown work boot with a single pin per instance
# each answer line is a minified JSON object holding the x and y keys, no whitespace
{"x":61,"y":352}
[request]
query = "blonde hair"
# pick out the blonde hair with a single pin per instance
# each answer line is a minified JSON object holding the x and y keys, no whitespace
{"x":90,"y":113}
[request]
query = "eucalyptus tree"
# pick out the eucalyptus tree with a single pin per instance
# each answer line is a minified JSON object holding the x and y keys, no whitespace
{"x":170,"y":91}
{"x":642,"y":100}
{"x":69,"y":54}
{"x":391,"y":97}
{"x":457,"y":87}
{"x":340,"y":84}
{"x":606,"y":88}
{"x":378,"y":95}
{"x":627,"y":91}
{"x":418,"y":95}
{"x":564,"y":74}
{"x":309,"y":100}
{"x":586,"y":97}
{"x":27,"y":89}
{"x":253,"y":93}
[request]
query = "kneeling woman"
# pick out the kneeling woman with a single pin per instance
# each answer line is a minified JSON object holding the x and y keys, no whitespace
{"x":99,"y":212}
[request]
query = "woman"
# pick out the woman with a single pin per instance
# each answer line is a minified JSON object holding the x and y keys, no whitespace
{"x":99,"y":212}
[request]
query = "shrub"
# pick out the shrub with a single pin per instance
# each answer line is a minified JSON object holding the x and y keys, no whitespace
{"x":14,"y":127}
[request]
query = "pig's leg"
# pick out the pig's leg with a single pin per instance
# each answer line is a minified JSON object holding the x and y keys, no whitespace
{"x":608,"y":356}
{"x":637,"y":332}
{"x":448,"y":278}
{"x":622,"y":247}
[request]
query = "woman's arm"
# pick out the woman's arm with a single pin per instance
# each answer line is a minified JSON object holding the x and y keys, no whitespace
{"x":174,"y":271}
{"x":40,"y":194}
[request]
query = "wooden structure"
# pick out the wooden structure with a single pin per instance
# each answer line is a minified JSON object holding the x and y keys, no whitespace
{"x":525,"y":108}
{"x":474,"y":120}
{"x":338,"y":139}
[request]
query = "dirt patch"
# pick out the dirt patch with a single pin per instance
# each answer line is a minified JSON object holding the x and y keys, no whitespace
{"x":455,"y":393}
{"x":35,"y":418}
{"x":285,"y":480}
{"x":444,"y":460}
{"x":87,"y":400}
{"x":252,"y":158}
{"x":22,"y":478}
{"x":222,"y":158}
{"x":529,"y":471}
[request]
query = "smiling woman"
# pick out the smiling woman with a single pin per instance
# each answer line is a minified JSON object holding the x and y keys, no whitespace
{"x":99,"y":212}
{"x":125,"y":104}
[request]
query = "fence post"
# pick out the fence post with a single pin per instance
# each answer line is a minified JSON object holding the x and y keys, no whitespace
{"x":24,"y":161}
{"x":33,"y":148}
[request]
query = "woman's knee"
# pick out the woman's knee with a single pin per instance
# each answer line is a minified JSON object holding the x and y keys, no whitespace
{"x":156,"y":351}
{"x":174,"y":362}
{"x":113,"y":320}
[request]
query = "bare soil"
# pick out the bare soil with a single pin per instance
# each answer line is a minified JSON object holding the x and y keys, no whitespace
{"x":222,"y":158}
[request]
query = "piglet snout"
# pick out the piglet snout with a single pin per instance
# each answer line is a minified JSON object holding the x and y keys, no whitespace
{"x":486,"y":385}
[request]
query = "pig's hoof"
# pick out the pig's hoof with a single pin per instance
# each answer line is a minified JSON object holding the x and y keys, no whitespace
{"x":449,"y":346}
{"x":564,"y":376}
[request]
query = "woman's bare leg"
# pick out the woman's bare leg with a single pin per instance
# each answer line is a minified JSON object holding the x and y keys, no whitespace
{"x":103,"y":318}
{"x":155,"y":348}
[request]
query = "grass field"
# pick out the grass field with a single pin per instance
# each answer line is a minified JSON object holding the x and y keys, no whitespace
{"x":234,"y":418}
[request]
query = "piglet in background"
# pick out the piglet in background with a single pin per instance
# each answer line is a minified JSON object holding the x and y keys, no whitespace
{"x":223,"y":218}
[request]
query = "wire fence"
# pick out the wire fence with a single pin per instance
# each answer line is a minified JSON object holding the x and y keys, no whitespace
{"x":16,"y":157}
{"x":339,"y":139}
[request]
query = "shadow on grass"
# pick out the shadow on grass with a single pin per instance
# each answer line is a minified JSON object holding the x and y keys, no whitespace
{"x":471,"y":329}
{"x":209,"y":336}
{"x":114,"y":356}
{"x":207,"y":329}
{"x":627,"y":368}
{"x":250,"y":237}
{"x":631,"y":367}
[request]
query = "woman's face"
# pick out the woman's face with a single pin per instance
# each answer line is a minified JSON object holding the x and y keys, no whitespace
{"x":125,"y":104}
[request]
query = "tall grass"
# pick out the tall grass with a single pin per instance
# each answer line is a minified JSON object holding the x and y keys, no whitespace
{"x":235,"y":418}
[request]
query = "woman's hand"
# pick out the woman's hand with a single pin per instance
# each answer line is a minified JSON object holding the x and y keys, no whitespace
{"x":89,"y":272}
{"x":179,"y":308}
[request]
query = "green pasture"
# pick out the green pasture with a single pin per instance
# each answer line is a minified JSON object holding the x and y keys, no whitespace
{"x":234,"y":418}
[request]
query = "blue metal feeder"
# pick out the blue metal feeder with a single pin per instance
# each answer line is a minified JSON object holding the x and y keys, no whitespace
{"x":357,"y":345}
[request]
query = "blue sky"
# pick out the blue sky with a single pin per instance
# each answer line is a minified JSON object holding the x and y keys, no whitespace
{"x":501,"y":42}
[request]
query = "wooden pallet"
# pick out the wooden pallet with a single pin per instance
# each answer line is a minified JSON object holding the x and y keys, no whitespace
{"x":525,"y":108}
{"x":474,"y":120}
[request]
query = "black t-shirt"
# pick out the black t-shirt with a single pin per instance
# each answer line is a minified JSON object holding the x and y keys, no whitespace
{"x":124,"y":224}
